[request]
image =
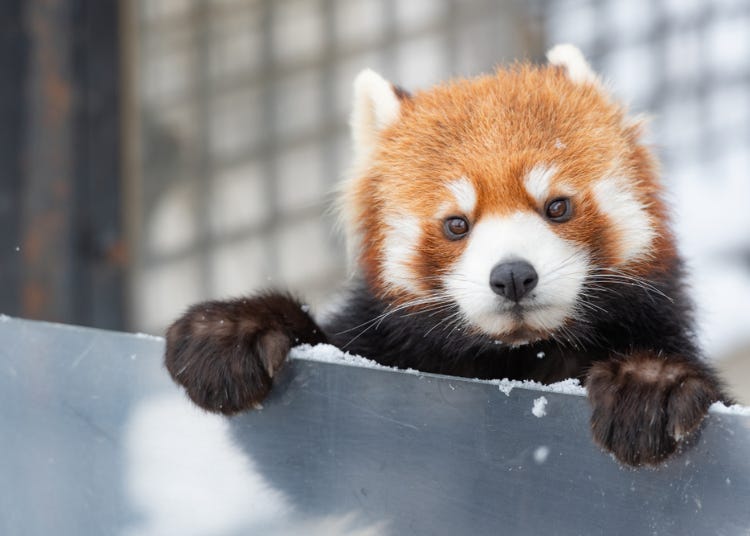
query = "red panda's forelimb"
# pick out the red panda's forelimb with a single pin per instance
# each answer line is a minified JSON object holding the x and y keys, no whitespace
{"x":646,"y":403}
{"x":226,"y":353}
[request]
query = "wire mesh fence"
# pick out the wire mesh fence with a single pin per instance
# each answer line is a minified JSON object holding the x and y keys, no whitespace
{"x":243,"y":110}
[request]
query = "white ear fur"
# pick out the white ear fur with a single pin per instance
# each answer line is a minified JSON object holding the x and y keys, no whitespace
{"x":376,"y":106}
{"x":570,"y":58}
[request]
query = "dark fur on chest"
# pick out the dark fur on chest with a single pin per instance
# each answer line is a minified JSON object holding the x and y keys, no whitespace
{"x":620,"y":317}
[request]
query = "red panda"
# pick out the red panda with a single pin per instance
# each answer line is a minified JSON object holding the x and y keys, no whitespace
{"x":491,"y":220}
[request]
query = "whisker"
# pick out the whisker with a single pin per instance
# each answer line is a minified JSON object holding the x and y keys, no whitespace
{"x":434,"y":303}
{"x":446,"y":319}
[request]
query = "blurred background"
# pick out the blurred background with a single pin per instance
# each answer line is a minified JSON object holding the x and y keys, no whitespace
{"x":160,"y":152}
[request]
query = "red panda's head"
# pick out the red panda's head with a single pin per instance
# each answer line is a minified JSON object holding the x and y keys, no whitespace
{"x":501,"y":194}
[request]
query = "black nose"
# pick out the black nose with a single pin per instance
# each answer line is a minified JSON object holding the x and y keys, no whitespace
{"x":513,"y":279}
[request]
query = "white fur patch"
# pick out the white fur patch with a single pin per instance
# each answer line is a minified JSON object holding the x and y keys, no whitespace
{"x":560,"y":265}
{"x":400,"y":244}
{"x":538,"y":180}
{"x":628,"y":215}
{"x":570,"y":58}
{"x":465,"y":194}
{"x":376,"y":106}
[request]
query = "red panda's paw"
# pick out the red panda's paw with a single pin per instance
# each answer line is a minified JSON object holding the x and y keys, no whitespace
{"x":645,"y":405}
{"x":225,"y":354}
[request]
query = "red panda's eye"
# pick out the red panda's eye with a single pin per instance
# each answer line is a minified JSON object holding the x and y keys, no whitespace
{"x":456,"y":228}
{"x":559,"y":210}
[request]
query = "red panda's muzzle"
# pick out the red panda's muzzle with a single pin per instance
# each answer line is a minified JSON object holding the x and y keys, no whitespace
{"x":517,"y":280}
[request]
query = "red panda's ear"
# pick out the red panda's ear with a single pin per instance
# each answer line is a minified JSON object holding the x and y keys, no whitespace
{"x":572,"y":61}
{"x":377,"y":105}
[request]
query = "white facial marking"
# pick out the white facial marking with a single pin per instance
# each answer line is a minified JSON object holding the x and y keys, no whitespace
{"x":560,"y":265}
{"x":376,"y":106}
{"x":628,"y":215}
{"x":570,"y":58}
{"x":466,"y":196}
{"x":399,"y":250}
{"x":537,"y":182}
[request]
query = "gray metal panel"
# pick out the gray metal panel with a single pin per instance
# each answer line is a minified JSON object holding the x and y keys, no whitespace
{"x":95,"y":439}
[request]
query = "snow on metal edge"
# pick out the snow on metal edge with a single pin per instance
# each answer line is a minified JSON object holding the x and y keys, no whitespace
{"x":734,"y":409}
{"x":326,"y":353}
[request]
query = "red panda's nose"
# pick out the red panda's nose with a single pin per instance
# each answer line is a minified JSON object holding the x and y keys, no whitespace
{"x":513,"y":279}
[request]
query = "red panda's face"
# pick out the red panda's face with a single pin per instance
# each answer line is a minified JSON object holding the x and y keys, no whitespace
{"x":504,"y":195}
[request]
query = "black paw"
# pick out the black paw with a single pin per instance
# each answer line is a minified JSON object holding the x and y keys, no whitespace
{"x":645,"y":405}
{"x":225,"y":354}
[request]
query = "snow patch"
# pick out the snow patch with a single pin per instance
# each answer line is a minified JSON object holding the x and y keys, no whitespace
{"x":539,"y":408}
{"x":327,"y":353}
{"x":571,"y":386}
{"x":541,"y":454}
{"x":4,"y":318}
{"x":735,"y":409}
{"x":148,"y":336}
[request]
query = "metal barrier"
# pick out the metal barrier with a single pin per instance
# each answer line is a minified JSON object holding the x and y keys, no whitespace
{"x":97,"y":440}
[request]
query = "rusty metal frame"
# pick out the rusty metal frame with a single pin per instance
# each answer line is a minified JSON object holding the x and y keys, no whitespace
{"x":60,"y":201}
